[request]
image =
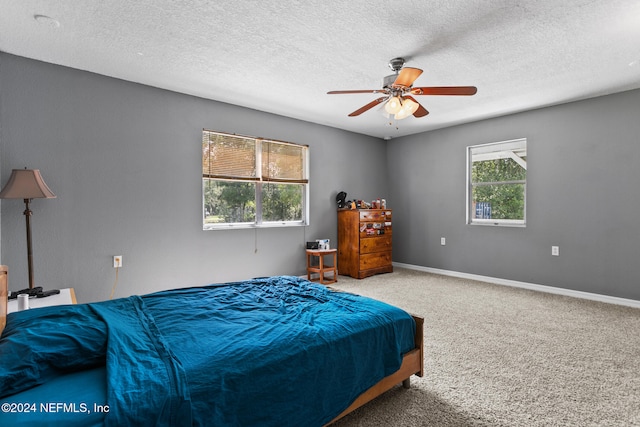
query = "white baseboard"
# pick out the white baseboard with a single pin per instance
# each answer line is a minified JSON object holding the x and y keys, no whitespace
{"x":525,"y":285}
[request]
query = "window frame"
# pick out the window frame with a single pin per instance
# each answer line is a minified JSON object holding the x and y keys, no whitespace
{"x":257,"y":177}
{"x":498,"y":150}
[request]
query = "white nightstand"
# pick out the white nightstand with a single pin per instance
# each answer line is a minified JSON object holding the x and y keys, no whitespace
{"x":66,"y":296}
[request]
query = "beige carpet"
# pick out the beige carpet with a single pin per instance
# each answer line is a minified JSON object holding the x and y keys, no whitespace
{"x":501,"y":356}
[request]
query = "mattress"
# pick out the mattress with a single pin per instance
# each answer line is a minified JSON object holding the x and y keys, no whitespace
{"x":273,"y":351}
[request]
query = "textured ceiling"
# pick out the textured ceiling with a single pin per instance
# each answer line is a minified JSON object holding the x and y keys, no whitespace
{"x":283,"y":56}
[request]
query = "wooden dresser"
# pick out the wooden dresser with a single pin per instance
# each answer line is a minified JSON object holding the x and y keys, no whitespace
{"x":364,"y":242}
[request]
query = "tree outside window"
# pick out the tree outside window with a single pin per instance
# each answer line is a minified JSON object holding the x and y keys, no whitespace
{"x":496,"y":190}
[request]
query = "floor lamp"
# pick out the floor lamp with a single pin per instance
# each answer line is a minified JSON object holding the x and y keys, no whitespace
{"x":27,"y":184}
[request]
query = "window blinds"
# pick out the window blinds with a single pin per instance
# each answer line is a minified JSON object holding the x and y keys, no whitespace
{"x":226,"y":156}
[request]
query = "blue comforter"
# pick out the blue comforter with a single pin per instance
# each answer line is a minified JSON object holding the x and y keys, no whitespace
{"x":276,"y":351}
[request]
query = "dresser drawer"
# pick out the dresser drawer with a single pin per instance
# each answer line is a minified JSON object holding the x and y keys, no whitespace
{"x":375,"y":215}
{"x":375,"y":244}
{"x":375,"y":260}
{"x":368,"y":229}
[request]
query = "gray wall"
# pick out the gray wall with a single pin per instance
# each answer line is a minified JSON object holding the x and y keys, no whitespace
{"x":124,"y":160}
{"x":582,"y":195}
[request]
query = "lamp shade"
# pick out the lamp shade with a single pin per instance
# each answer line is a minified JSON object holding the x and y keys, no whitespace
{"x":26,"y":184}
{"x":408,"y":108}
{"x":393,"y":105}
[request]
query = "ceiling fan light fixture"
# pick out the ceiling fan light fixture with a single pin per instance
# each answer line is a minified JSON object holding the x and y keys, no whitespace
{"x":409,"y":107}
{"x":393,"y":105}
{"x":398,"y":92}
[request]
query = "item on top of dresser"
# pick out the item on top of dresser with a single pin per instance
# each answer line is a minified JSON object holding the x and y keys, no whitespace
{"x":23,"y":302}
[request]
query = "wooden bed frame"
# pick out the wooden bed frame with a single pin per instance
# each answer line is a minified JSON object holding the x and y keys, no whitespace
{"x":4,"y":295}
{"x":412,"y":362}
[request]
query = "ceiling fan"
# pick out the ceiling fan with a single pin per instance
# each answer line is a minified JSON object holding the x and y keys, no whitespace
{"x":397,"y":89}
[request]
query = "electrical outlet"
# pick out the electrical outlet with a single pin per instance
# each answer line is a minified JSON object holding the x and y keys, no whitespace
{"x":117,"y":261}
{"x":443,"y":241}
{"x":555,"y":250}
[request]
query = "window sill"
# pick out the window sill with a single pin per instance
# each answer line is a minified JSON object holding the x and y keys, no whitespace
{"x":499,"y":223}
{"x":253,"y":226}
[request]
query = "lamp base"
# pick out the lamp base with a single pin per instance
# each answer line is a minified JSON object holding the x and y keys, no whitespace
{"x":34,"y":292}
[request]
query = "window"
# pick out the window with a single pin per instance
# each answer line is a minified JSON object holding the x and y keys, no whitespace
{"x":496,"y":183}
{"x":253,"y":182}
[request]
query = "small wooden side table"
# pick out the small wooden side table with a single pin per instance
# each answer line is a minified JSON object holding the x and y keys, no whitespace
{"x":321,"y":269}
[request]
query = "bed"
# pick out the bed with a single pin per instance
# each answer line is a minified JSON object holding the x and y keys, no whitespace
{"x":270,"y":351}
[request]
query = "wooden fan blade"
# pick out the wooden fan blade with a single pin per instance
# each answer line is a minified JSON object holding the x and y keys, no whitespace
{"x":407,"y":76}
{"x":444,"y":90}
{"x":421,"y":111}
{"x":368,"y":106}
{"x":342,"y":92}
